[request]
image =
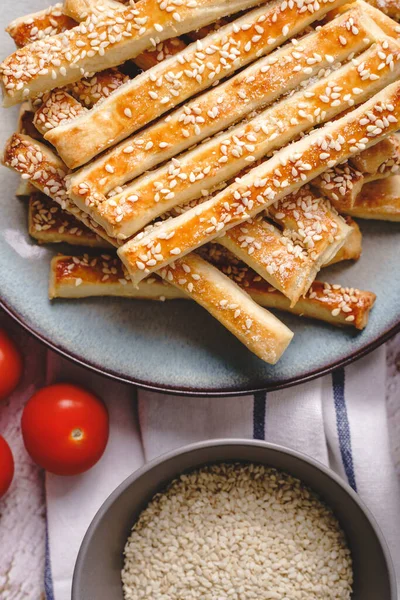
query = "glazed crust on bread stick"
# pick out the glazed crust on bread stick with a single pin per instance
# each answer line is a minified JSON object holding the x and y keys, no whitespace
{"x":171,"y":82}
{"x":380,"y":16}
{"x":39,"y":165}
{"x":285,"y":172}
{"x":249,"y":90}
{"x":222,"y":157}
{"x":285,"y":259}
{"x":48,"y":223}
{"x":161,"y":52}
{"x":340,"y":306}
{"x":84,"y":276}
{"x":379,"y":200}
{"x":104,"y":40}
{"x":88,"y":90}
{"x":39,"y":25}
{"x":260,"y":331}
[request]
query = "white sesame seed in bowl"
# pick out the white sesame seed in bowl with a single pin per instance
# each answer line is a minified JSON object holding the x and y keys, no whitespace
{"x":234,"y":520}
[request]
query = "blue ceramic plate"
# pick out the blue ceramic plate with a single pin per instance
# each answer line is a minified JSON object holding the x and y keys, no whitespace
{"x":176,"y":345}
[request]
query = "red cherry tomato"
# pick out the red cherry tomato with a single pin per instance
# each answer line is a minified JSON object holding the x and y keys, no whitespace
{"x":6,"y":466}
{"x":10,"y":365}
{"x":65,"y":429}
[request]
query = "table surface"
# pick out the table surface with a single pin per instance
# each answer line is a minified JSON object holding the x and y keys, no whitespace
{"x":22,"y":511}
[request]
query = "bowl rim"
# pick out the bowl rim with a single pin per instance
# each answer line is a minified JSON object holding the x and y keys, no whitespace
{"x":218,"y":442}
{"x":269,"y":386}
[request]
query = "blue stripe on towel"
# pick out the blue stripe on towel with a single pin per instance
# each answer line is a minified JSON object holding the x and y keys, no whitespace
{"x":48,"y":581}
{"x":343,"y":426}
{"x":260,"y":401}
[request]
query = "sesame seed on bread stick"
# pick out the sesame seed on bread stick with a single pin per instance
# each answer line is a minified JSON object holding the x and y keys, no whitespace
{"x":194,"y":69}
{"x":285,"y":172}
{"x":216,"y":109}
{"x":191,"y":175}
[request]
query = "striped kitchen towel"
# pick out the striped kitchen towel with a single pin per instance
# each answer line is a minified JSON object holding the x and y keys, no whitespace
{"x":339,"y":419}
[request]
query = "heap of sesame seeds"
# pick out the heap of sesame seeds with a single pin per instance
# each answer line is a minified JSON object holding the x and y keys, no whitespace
{"x":237,"y":531}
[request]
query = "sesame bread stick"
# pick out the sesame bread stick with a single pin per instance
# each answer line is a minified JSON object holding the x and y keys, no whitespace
{"x":285,"y":259}
{"x":335,"y":304}
{"x":250,"y":90}
{"x":103,"y":40}
{"x":171,"y":82}
{"x":284,"y":173}
{"x":370,"y":160}
{"x":48,"y":223}
{"x":82,"y":9}
{"x":340,"y":306}
{"x":84,"y":276}
{"x":65,"y":228}
{"x":40,"y":166}
{"x":260,"y":331}
{"x":189,"y":176}
{"x":379,"y":200}
{"x":385,"y":21}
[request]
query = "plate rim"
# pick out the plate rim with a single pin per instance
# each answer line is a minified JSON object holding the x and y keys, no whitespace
{"x":202,"y":392}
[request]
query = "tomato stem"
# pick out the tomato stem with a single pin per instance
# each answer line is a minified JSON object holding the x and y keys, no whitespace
{"x":77,"y":434}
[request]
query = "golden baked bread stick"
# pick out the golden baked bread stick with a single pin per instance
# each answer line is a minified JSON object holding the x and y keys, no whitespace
{"x":84,"y":276}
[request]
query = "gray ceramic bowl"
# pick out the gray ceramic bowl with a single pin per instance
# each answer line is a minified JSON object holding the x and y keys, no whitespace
{"x":99,"y":563}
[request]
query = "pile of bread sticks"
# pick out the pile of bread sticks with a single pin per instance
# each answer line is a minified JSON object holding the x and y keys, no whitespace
{"x":208,"y":149}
